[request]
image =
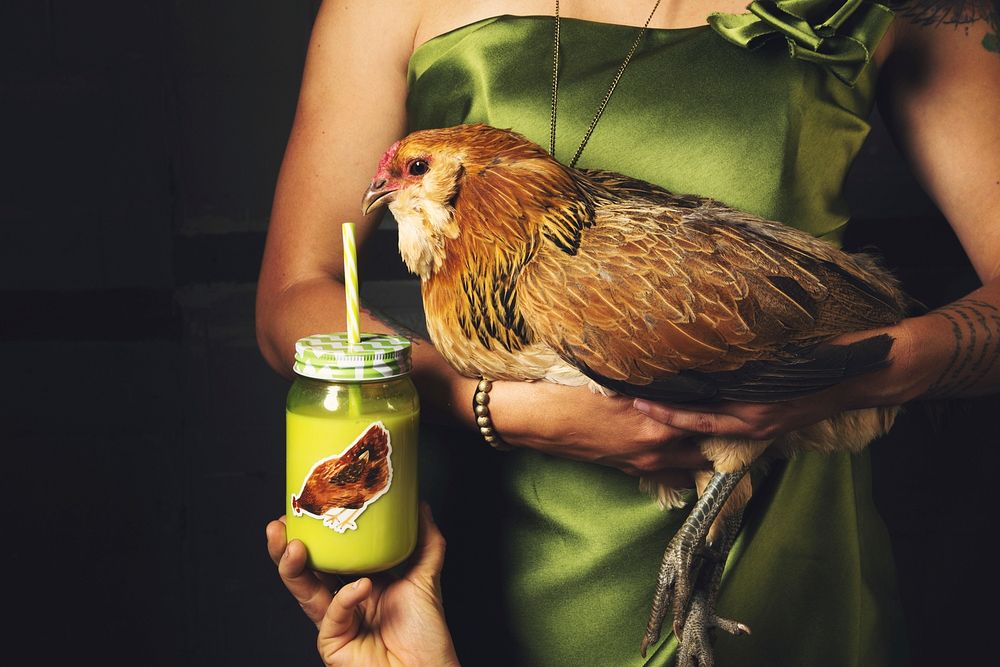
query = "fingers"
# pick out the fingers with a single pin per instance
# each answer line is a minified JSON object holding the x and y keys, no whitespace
{"x":307,"y":589}
{"x":341,"y":622}
{"x":430,"y":549}
{"x":275,"y":532}
{"x":683,"y":456}
{"x":705,"y":423}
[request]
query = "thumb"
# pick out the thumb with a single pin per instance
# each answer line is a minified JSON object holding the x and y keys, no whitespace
{"x":341,"y":622}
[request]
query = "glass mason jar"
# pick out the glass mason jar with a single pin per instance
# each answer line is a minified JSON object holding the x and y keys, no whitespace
{"x":351,"y":452}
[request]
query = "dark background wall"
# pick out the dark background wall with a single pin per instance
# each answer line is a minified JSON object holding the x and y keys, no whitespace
{"x":143,"y":434}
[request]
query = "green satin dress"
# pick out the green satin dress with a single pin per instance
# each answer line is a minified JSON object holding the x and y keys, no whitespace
{"x":765,"y":112}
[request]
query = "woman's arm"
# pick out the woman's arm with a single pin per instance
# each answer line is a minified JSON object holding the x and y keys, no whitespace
{"x":351,"y":108}
{"x":940,"y":95}
{"x":941,"y":99}
{"x":355,"y":72}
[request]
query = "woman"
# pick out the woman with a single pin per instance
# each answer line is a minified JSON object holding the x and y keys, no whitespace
{"x":762,"y":111}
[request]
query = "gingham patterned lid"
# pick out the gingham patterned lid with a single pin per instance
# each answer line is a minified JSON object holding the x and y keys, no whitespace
{"x":332,"y":357}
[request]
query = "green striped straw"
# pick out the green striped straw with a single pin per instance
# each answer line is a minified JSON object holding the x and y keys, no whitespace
{"x":353,"y":316}
{"x":351,"y":284}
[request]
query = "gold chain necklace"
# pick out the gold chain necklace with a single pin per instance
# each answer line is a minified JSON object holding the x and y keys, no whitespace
{"x":607,"y":95}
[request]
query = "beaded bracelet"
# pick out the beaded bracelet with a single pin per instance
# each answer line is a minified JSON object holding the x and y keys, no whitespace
{"x":481,"y":406}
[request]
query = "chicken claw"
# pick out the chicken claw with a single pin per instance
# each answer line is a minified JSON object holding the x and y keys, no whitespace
{"x":674,"y":583}
{"x":696,"y":649}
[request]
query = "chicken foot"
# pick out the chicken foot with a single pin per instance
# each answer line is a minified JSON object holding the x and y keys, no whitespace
{"x":696,"y":647}
{"x":674,"y":583}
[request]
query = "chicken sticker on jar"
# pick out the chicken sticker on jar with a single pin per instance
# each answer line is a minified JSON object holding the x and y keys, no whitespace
{"x":339,"y":488}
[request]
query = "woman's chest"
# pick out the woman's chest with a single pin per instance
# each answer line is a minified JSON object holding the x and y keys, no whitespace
{"x":443,"y":17}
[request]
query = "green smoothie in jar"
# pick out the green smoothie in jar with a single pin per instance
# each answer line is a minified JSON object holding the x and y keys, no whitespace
{"x":351,"y":449}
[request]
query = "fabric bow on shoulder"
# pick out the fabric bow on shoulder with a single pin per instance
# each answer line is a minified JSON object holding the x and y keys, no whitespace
{"x":840,"y":36}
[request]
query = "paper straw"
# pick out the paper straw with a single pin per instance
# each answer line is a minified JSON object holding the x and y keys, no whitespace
{"x":351,"y":284}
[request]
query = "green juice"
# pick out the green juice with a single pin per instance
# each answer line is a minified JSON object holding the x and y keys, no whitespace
{"x":351,"y":472}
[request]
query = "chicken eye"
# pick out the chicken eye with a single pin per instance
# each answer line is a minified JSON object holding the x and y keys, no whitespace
{"x":418,"y":167}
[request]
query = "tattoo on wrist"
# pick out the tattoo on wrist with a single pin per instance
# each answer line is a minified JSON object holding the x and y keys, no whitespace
{"x":975,"y":329}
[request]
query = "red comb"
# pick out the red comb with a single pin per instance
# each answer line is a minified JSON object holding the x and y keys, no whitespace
{"x":390,"y":153}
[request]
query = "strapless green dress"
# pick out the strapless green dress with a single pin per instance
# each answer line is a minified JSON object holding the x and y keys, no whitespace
{"x":765,"y":112}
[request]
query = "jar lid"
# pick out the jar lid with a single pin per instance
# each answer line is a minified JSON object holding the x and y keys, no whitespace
{"x":332,"y":357}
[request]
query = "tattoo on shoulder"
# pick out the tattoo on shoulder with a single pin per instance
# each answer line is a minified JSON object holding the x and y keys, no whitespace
{"x":956,"y":13}
{"x":975,"y":328}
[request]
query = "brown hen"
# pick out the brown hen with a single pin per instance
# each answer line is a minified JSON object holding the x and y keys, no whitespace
{"x":532,"y":270}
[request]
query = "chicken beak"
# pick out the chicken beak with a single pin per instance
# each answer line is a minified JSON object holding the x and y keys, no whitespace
{"x":378,"y":193}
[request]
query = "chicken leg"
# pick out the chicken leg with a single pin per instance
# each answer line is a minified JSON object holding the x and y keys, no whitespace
{"x":695,"y":646}
{"x":674,"y":583}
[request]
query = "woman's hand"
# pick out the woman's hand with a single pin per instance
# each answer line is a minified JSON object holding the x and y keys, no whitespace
{"x":373,"y":621}
{"x":753,"y":421}
{"x":575,"y":423}
{"x":895,"y":384}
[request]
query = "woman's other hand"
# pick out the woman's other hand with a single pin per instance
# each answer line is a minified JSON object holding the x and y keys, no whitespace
{"x":893,"y":385}
{"x":381,"y":620}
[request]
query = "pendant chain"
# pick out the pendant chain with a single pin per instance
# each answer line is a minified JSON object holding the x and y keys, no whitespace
{"x":607,"y":95}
